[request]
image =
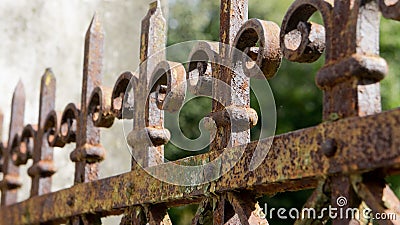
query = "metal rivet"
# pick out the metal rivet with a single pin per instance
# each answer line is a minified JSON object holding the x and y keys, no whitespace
{"x":329,"y":147}
{"x":71,"y":200}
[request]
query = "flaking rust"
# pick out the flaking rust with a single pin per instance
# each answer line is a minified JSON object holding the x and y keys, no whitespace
{"x":88,"y":136}
{"x":347,"y":155}
{"x":89,"y":152}
{"x":291,"y":164}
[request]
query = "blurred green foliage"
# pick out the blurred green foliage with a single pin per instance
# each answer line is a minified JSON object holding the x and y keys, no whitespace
{"x":298,"y":100}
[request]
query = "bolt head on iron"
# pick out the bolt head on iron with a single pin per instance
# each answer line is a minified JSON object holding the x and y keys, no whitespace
{"x":329,"y":147}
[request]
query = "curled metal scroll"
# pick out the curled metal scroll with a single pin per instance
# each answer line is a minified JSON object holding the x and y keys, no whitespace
{"x":121,"y":101}
{"x":51,"y":131}
{"x":267,"y":55}
{"x":22,"y":146}
{"x":302,"y":41}
{"x":201,"y":66}
{"x":100,"y":107}
{"x":69,"y":123}
{"x":390,"y":9}
{"x":168,"y":81}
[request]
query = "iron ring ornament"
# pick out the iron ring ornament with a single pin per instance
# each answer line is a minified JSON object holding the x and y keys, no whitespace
{"x":390,"y":9}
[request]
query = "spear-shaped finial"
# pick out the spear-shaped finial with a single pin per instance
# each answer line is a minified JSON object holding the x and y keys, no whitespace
{"x":147,"y":114}
{"x":153,"y":39}
{"x":43,"y":167}
{"x":93,"y":58}
{"x":10,"y":182}
{"x":88,"y":150}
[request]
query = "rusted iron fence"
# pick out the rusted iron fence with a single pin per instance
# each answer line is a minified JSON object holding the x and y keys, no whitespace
{"x":348,"y":155}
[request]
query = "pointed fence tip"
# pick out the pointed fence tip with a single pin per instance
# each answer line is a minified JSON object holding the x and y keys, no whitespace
{"x":48,"y":70}
{"x":48,"y":77}
{"x":20,"y":86}
{"x":95,"y":25}
{"x":19,"y":91}
{"x":48,"y":73}
{"x":155,"y":4}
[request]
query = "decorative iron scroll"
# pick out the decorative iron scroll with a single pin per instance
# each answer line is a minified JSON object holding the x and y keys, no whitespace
{"x":346,"y":156}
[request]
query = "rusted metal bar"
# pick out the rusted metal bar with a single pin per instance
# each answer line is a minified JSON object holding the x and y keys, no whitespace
{"x":334,"y":154}
{"x":89,"y":152}
{"x":235,"y":103}
{"x":148,"y":135}
{"x":147,"y":114}
{"x":291,"y":164}
{"x":352,"y":71}
{"x":43,"y":166}
{"x":223,"y":213}
{"x":233,"y":14}
{"x":10,"y":182}
{"x":202,"y":218}
{"x":359,"y":94}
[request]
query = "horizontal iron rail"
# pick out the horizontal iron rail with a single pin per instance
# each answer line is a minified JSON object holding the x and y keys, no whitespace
{"x":296,"y":160}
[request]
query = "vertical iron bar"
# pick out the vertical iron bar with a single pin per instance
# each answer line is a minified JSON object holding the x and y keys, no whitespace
{"x":355,"y":34}
{"x":10,"y":182}
{"x":233,"y":13}
{"x":89,"y":152}
{"x":147,"y":115}
{"x":43,"y":167}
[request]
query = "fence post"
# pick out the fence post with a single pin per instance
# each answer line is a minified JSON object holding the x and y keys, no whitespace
{"x":147,"y":115}
{"x":89,"y":152}
{"x":43,"y":166}
{"x":233,"y":14}
{"x":10,"y":182}
{"x":359,"y":95}
{"x":148,"y":118}
{"x":352,"y":71}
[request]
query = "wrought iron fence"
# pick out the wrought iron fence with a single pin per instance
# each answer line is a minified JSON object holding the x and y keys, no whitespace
{"x":347,"y":156}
